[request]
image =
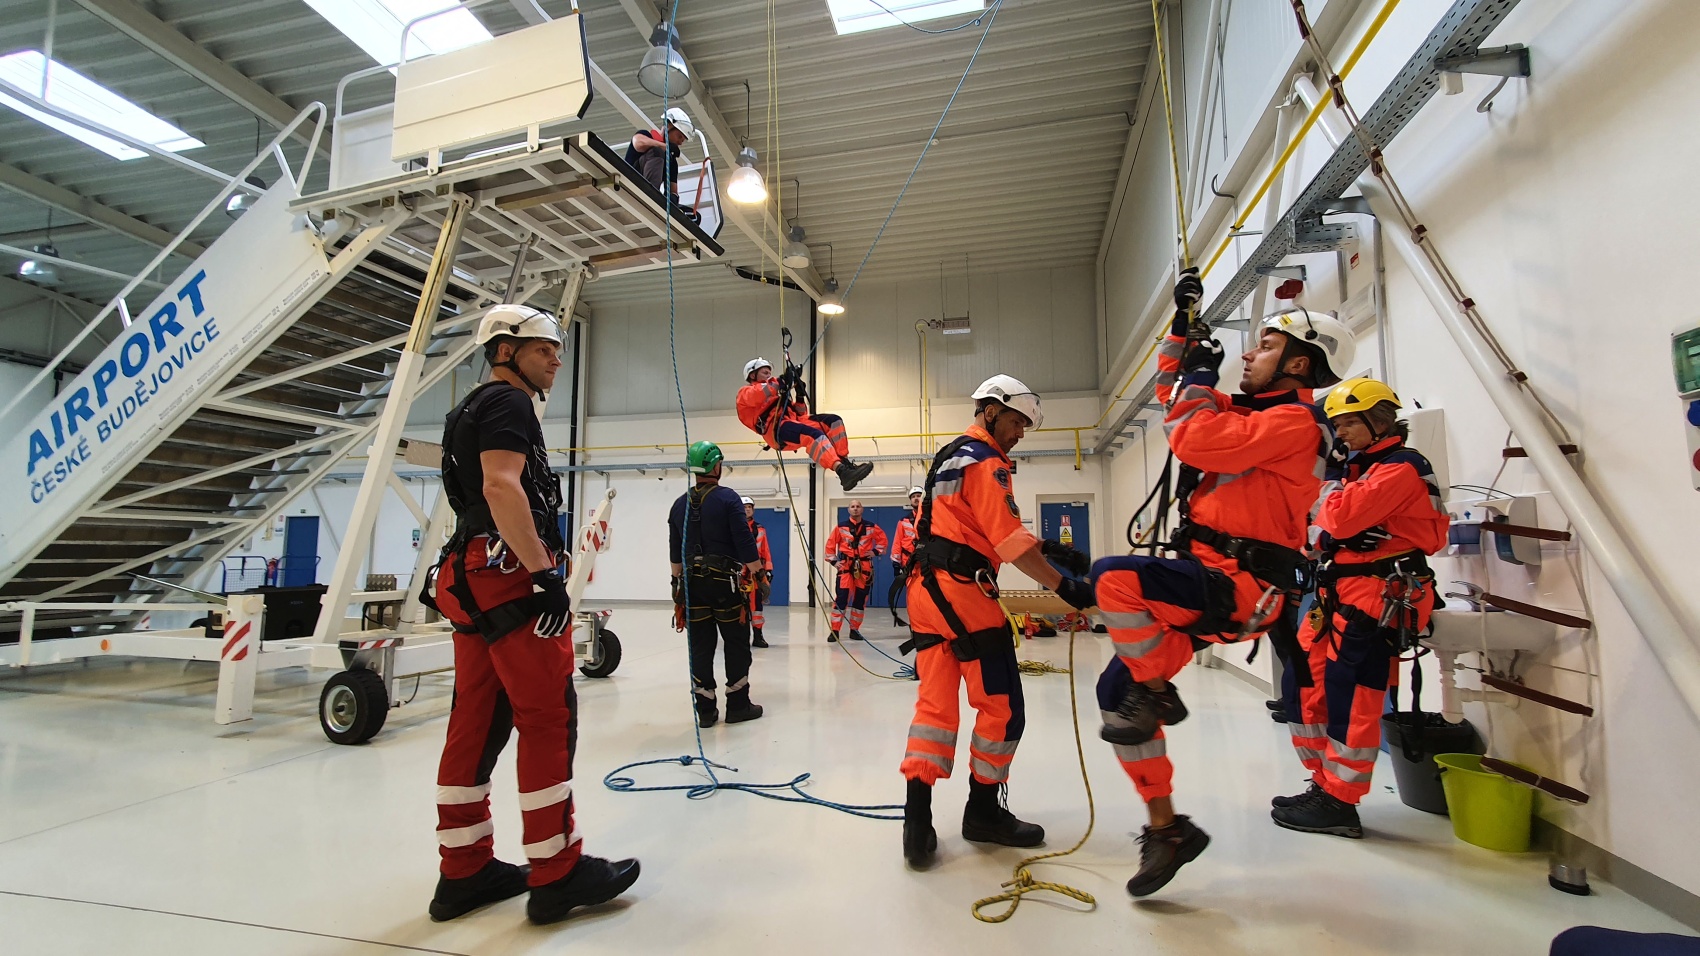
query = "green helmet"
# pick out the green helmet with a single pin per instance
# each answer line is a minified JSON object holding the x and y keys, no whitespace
{"x":703,"y":457}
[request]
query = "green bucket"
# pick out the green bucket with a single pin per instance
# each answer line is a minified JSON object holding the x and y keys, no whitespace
{"x":1488,"y":809}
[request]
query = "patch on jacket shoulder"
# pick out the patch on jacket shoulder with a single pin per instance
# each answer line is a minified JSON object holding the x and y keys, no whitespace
{"x":1002,"y":478}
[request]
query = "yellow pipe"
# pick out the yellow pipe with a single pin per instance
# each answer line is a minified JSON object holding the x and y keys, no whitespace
{"x":660,"y":446}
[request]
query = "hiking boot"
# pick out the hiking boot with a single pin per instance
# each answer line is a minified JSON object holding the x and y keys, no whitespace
{"x":920,"y":842}
{"x":1163,"y":851}
{"x":1318,"y":811}
{"x":1141,"y":711}
{"x":739,"y":708}
{"x":756,"y":640}
{"x":496,"y":882}
{"x":832,"y":637}
{"x":856,"y":635}
{"x":593,"y":880}
{"x":708,"y":717}
{"x":1281,"y":802}
{"x":986,"y":818}
{"x":851,"y":474}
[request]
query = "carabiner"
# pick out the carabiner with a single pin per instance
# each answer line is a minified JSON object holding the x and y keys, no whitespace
{"x":987,"y":584}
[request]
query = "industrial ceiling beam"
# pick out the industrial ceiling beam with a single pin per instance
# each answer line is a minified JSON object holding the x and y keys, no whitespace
{"x":134,"y":21}
{"x":86,"y":209}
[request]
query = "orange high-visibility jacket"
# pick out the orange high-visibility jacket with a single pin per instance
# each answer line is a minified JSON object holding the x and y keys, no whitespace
{"x":761,"y":546}
{"x":903,"y":543}
{"x":761,"y":407}
{"x":1392,"y":487}
{"x":974,"y":501}
{"x":1262,"y":455}
{"x":864,"y":541}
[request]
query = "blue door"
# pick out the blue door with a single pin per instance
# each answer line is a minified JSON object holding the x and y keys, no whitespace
{"x":300,"y":563}
{"x":777,"y":523}
{"x":886,"y":517}
{"x":1069,"y":522}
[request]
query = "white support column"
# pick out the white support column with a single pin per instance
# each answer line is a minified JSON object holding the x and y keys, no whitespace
{"x":239,"y":658}
{"x":380,"y":460}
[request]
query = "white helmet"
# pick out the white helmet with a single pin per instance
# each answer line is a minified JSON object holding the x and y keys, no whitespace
{"x":1321,"y":330}
{"x":1010,"y":391}
{"x":519,"y":321}
{"x":677,"y":118}
{"x":917,"y":490}
{"x":753,"y":364}
{"x":746,"y":499}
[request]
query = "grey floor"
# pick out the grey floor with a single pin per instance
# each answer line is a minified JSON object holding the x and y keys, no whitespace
{"x":133,"y":824}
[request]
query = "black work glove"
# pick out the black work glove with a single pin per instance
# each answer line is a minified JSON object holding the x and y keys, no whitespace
{"x":1077,"y":593}
{"x":678,"y":590}
{"x":1334,"y":464}
{"x":555,"y":608}
{"x":1189,"y":291}
{"x":800,"y":391}
{"x":1202,"y":363}
{"x":1366,"y":540}
{"x":1069,"y":559}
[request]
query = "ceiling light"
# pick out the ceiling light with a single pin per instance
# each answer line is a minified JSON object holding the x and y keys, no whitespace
{"x":31,"y":72}
{"x":39,"y":272}
{"x":242,"y":200}
{"x":796,"y":254}
{"x":830,"y":303}
{"x":856,"y":16}
{"x":746,"y":185}
{"x":663,"y":70}
{"x":376,"y":25}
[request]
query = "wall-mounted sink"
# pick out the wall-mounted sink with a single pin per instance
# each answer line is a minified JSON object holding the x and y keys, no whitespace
{"x":1459,"y":628}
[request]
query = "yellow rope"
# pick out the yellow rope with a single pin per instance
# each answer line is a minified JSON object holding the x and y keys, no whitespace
{"x":1040,"y":668}
{"x":1023,"y":882}
{"x":1174,"y":149}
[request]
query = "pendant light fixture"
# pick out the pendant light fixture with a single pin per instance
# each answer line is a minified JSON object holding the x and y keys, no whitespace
{"x":42,"y":272}
{"x":663,"y":70}
{"x":830,"y":303}
{"x":746,"y":185}
{"x":241,"y":200}
{"x":795,"y":254}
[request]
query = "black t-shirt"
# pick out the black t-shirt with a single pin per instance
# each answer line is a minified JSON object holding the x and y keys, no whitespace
{"x":499,"y":417}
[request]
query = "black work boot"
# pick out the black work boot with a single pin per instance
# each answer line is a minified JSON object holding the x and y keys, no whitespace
{"x":1280,"y":802}
{"x":1141,"y":711}
{"x":832,"y":637}
{"x":920,"y":842}
{"x":1318,"y":811}
{"x":1163,"y":851}
{"x":856,"y":635}
{"x":496,"y":882}
{"x":592,"y":881}
{"x":987,"y":820}
{"x":708,"y":708}
{"x":756,"y":640}
{"x":739,"y":708}
{"x":851,"y":474}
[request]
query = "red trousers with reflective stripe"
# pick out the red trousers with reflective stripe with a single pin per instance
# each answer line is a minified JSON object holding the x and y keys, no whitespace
{"x":1144,"y":602}
{"x":521,"y":682}
{"x":1338,"y":736}
{"x":993,"y":683}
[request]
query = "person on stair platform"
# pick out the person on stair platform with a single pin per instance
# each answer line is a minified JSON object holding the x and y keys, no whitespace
{"x":714,"y":560}
{"x":902,"y":547}
{"x":498,"y":582}
{"x":1251,"y":472}
{"x":777,"y":409}
{"x":764,"y":581}
{"x":969,"y":527}
{"x":851,"y":549}
{"x":655,"y":155}
{"x":1381,"y":515}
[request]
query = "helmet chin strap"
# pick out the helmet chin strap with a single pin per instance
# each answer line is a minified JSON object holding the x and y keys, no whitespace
{"x":513,"y":366}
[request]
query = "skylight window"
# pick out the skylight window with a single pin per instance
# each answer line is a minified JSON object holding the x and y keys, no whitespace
{"x":857,"y":16}
{"x":32,"y":72}
{"x":376,"y":25}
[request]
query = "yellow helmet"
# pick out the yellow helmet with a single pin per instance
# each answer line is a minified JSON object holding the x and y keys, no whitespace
{"x":1358,"y":395}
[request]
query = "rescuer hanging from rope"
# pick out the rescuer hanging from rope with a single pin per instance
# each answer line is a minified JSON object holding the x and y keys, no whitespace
{"x":499,"y":583}
{"x":969,"y":526}
{"x":1381,"y":514}
{"x":1251,"y":473}
{"x":777,"y":409}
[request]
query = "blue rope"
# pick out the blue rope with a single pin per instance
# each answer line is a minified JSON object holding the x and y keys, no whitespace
{"x":990,"y":16}
{"x":771,"y":791}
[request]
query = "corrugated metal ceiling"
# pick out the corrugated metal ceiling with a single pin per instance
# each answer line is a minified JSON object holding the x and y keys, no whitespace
{"x":1022,"y":172}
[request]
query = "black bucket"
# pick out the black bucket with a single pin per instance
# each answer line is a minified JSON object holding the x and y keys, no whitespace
{"x":1413,"y":739}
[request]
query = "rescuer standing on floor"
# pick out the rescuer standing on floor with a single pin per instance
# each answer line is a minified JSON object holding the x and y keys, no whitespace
{"x":1382,"y":515}
{"x":764,"y":581}
{"x":714,"y":561}
{"x":969,"y":526}
{"x":777,"y":409}
{"x":902,"y":546}
{"x":1251,"y":472}
{"x":499,"y":583}
{"x":851,"y":549}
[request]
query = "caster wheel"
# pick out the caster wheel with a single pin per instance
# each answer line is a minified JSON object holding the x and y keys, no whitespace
{"x":604,"y":665}
{"x":353,"y":707}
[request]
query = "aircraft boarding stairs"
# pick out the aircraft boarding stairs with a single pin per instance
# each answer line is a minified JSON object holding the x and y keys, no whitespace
{"x":303,"y":335}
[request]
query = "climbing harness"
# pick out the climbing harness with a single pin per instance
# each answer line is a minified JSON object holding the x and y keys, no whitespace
{"x":1022,"y":882}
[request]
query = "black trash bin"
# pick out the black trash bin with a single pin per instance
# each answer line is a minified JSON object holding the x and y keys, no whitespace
{"x":290,"y":612}
{"x":1413,"y":740}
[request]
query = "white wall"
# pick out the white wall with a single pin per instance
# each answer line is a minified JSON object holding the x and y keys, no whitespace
{"x":1565,"y":215}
